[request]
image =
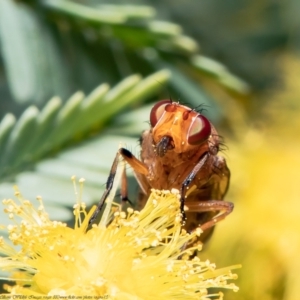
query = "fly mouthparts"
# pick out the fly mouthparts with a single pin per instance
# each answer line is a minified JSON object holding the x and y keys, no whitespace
{"x":165,"y":144}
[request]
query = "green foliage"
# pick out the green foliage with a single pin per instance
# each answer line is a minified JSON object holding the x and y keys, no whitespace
{"x":54,"y":45}
{"x":39,"y":133}
{"x":246,"y":35}
{"x":51,"y":48}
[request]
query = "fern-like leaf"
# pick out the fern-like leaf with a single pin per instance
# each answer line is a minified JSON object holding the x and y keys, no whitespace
{"x":37,"y":134}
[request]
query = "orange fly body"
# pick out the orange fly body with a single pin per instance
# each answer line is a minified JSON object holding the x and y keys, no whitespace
{"x":179,"y":151}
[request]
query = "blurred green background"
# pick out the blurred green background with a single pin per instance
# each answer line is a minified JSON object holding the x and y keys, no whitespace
{"x":79,"y":77}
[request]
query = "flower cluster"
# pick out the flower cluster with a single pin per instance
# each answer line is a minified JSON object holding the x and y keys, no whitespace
{"x":138,"y":255}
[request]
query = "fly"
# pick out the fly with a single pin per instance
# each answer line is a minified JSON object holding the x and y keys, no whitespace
{"x":179,"y":151}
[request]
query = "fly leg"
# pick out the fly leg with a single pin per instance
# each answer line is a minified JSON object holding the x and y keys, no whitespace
{"x":138,"y":167}
{"x":224,"y":208}
{"x":124,"y":189}
{"x":219,"y":189}
{"x":186,"y":184}
{"x":109,"y":185}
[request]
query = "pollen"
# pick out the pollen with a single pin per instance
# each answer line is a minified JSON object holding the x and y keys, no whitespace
{"x":198,"y":231}
{"x":154,"y":202}
{"x":139,"y":255}
{"x":122,"y":214}
{"x":130,"y":210}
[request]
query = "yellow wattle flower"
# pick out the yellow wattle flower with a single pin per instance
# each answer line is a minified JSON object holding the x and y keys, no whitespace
{"x":139,"y":255}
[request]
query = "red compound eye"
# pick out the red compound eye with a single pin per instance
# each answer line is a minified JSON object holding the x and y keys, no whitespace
{"x":199,"y":131}
{"x":158,"y":110}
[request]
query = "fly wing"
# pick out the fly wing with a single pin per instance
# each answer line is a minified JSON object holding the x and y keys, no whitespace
{"x":216,"y":186}
{"x":214,"y":189}
{"x":220,"y":179}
